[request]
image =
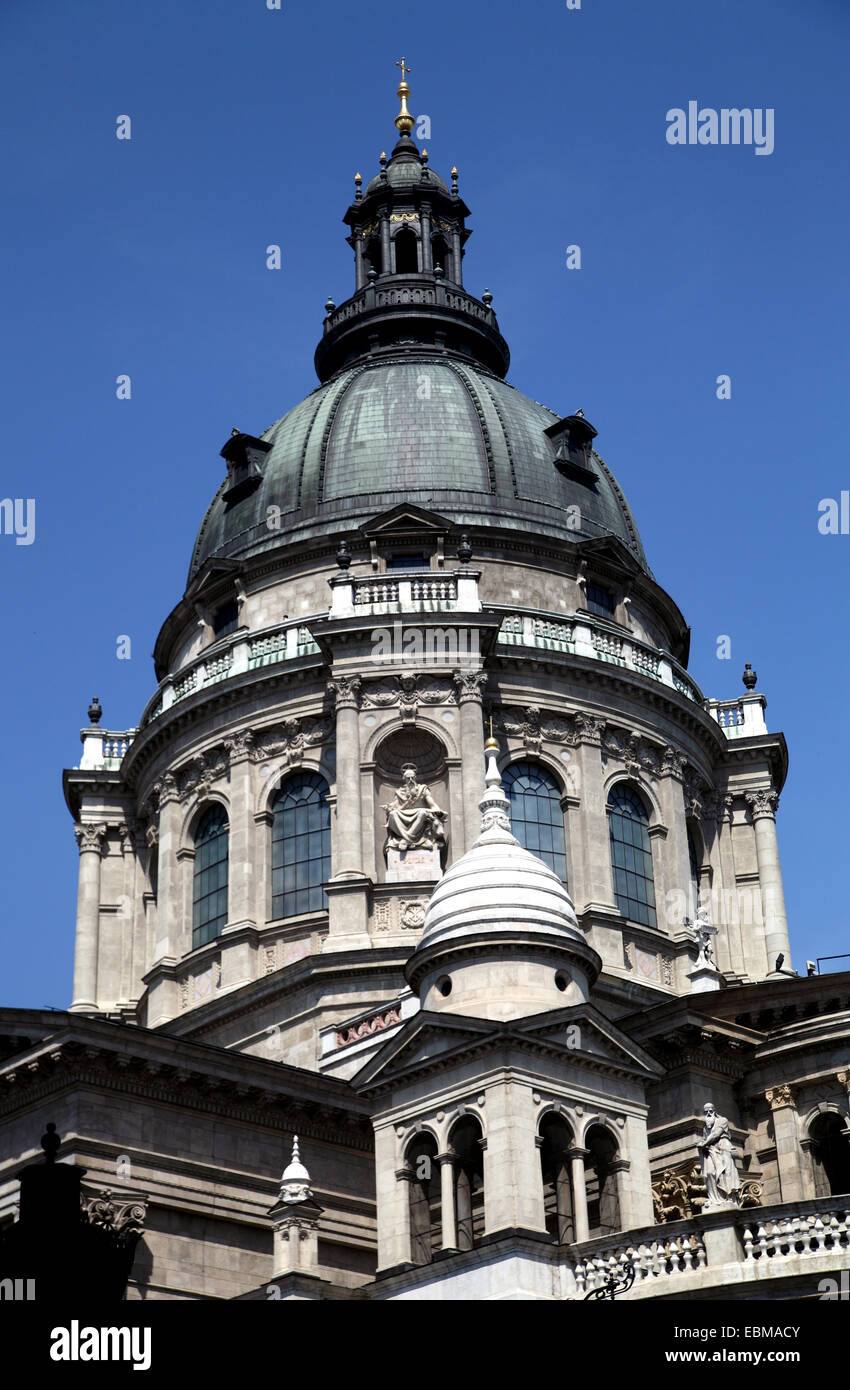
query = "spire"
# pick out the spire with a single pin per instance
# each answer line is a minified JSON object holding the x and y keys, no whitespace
{"x":494,"y":806}
{"x":295,"y":1182}
{"x":404,"y":122}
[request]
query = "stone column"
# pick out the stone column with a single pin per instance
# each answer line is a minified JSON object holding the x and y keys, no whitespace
{"x":581,"y":1226}
{"x":349,"y":886}
{"x":347,"y":846}
{"x":674,"y":859}
{"x":447,"y":1200}
{"x":359,"y":262}
{"x":596,"y":887}
{"x":470,"y":686}
{"x":386,"y":246}
{"x":789,"y":1154}
{"x":90,"y":843}
{"x":425,"y":227}
{"x":240,"y":904}
{"x":169,"y":912}
{"x":763,"y":806}
{"x":457,"y":257}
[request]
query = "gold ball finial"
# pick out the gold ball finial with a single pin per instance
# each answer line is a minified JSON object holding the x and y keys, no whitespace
{"x":404,"y":122}
{"x":358,"y":179}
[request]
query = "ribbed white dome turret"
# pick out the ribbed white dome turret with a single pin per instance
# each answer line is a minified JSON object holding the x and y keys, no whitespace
{"x":501,"y":939}
{"x":497,"y":882}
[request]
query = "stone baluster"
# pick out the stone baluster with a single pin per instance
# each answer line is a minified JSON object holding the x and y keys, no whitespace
{"x":90,"y":840}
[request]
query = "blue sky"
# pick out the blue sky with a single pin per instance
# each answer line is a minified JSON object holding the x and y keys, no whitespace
{"x":148,"y":257}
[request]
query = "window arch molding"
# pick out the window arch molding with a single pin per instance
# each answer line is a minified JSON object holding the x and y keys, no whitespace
{"x":549,"y":808}
{"x":271,"y":785}
{"x":602,"y":1122}
{"x":631,"y":853}
{"x":195,"y":812}
{"x":642,"y":789}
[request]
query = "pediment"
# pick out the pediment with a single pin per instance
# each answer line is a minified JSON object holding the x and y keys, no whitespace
{"x":406,"y":519}
{"x":581,"y":1033}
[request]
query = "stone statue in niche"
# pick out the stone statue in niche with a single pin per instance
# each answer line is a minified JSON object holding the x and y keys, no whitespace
{"x":718,"y":1161}
{"x":414,"y":820}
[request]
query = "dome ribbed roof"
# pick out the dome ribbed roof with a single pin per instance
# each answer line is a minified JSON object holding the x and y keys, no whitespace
{"x":435,"y":431}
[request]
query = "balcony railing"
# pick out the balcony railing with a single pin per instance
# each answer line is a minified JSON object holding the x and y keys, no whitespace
{"x":790,"y":1240}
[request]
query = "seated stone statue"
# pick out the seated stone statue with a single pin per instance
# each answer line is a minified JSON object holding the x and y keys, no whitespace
{"x":414,"y":820}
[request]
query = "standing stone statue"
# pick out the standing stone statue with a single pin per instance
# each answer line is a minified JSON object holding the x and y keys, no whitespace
{"x":718,"y":1162}
{"x":414,"y":820}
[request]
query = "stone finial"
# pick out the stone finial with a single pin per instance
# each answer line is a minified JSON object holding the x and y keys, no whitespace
{"x":494,"y":805}
{"x":295,"y":1181}
{"x":749,"y":677}
{"x":464,"y":549}
{"x":487,"y":298}
{"x":358,"y":187}
{"x":95,"y":711}
{"x":343,"y":554}
{"x":454,"y":179}
{"x":329,"y":305}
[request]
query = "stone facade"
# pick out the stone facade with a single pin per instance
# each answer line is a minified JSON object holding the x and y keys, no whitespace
{"x":523,"y":1124}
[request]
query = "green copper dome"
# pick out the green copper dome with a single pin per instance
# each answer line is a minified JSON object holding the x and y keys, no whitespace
{"x":441,"y":433}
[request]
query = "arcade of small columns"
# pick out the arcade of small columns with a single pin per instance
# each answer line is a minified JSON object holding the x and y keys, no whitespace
{"x":509,"y":1159}
{"x":587,"y":753}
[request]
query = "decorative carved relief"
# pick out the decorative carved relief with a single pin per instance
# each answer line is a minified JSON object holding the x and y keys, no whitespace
{"x":469,"y":685}
{"x":345,"y":691}
{"x":366,"y":1027}
{"x":764,"y":802}
{"x":411,"y":913}
{"x":779,"y":1096}
{"x":90,"y":837}
{"x":290,"y":737}
{"x":407,"y":692}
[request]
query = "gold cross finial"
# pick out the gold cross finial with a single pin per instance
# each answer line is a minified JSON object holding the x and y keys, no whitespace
{"x":404,"y":122}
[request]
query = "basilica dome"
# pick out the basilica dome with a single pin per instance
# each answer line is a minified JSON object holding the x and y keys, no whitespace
{"x":413,"y":406}
{"x":440,"y":432}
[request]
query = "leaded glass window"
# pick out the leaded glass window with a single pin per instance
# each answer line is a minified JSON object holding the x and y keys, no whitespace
{"x":301,"y":846}
{"x":631,"y":855}
{"x":209,"y":888}
{"x":536,"y":816}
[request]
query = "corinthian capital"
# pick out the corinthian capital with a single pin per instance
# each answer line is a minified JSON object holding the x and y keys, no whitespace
{"x":673,"y":764}
{"x":469,"y":685}
{"x":762,"y":803}
{"x":241,"y":745}
{"x":345,"y":691}
{"x":779,"y":1097}
{"x":589,"y":729}
{"x":90,"y":837}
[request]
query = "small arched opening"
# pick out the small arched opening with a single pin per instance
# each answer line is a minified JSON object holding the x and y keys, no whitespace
{"x":424,"y":1198}
{"x":465,"y":1143}
{"x":830,"y":1150}
{"x":600,"y":1175}
{"x":406,"y":252}
{"x":440,"y":254}
{"x":556,"y":1139}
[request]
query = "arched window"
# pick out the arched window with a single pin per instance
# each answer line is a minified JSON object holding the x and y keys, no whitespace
{"x":440,"y":254}
{"x":830,"y":1155}
{"x":600,"y":1176}
{"x":426,"y":1231}
{"x":209,"y":888}
{"x":406,"y":252}
{"x":301,"y":846}
{"x":555,"y":1142}
{"x":536,"y":815}
{"x":465,"y":1144}
{"x":631,"y":855}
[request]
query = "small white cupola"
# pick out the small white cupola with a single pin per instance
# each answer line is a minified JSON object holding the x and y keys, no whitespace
{"x":501,"y":939}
